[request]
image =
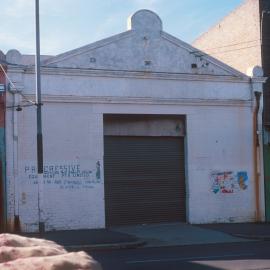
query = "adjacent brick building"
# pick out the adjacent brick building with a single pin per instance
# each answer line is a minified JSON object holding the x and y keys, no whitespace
{"x":242,"y":39}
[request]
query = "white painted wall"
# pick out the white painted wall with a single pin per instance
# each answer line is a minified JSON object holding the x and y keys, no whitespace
{"x":72,"y":136}
{"x":219,"y":138}
{"x":222,"y":141}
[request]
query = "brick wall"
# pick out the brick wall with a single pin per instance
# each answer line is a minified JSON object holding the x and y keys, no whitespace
{"x":235,"y":40}
{"x":265,"y":6}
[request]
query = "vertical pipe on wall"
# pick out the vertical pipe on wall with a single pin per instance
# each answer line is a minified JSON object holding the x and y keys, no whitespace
{"x":256,"y":85}
{"x":256,"y":143}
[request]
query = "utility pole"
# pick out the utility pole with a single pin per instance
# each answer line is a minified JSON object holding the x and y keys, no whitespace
{"x":39,"y":123}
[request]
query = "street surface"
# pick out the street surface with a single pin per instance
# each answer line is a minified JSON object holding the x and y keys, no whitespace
{"x":246,"y":256}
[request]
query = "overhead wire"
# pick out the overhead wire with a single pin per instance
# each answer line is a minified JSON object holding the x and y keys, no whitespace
{"x":228,"y":45}
{"x":215,"y":50}
{"x":238,"y":49}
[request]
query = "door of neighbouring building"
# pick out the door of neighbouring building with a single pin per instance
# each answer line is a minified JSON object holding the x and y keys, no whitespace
{"x":144,"y":179}
{"x":267,"y":180}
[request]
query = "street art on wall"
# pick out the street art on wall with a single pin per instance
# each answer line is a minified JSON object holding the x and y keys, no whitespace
{"x":65,"y":175}
{"x":229,"y":181}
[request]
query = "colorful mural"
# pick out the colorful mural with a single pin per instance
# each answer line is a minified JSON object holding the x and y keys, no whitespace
{"x":229,"y":181}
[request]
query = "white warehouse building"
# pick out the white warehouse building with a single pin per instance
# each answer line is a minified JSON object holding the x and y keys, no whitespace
{"x":137,"y":128}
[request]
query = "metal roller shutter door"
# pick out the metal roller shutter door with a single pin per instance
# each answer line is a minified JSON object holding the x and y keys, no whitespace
{"x":144,"y":180}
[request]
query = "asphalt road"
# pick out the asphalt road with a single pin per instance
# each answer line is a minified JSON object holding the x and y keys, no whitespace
{"x":246,"y":256}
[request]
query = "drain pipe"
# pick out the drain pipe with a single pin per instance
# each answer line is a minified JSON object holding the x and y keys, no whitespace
{"x":256,"y":81}
{"x":16,"y":101}
{"x":256,"y":154}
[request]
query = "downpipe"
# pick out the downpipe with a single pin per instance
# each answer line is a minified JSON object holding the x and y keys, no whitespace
{"x":256,"y":154}
{"x":16,"y":225}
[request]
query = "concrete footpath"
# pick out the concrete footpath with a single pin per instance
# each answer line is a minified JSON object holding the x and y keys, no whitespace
{"x":259,"y":231}
{"x":158,"y":235}
{"x":177,"y":234}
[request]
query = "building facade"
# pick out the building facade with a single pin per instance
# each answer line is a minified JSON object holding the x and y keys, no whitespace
{"x":241,"y":39}
{"x":137,"y":129}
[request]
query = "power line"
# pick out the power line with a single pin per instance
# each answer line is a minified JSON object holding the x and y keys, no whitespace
{"x":229,"y":45}
{"x":205,"y":52}
{"x":238,"y":49}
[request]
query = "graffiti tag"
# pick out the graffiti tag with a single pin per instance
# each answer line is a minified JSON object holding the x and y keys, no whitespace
{"x":229,"y":181}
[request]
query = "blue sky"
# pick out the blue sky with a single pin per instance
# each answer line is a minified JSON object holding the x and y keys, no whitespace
{"x":68,"y":24}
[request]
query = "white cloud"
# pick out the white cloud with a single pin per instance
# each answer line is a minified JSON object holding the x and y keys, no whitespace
{"x":18,"y":8}
{"x":147,"y":4}
{"x":24,"y":8}
{"x":9,"y":41}
{"x":69,"y":24}
{"x":18,"y":22}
